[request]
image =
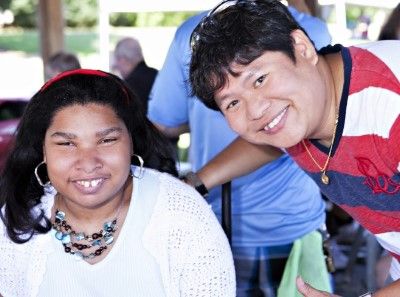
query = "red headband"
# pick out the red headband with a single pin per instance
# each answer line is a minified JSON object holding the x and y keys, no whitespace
{"x":81,"y":71}
{"x":72,"y":72}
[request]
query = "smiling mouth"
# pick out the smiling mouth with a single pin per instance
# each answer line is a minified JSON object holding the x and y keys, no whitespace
{"x":89,"y":183}
{"x":275,"y":121}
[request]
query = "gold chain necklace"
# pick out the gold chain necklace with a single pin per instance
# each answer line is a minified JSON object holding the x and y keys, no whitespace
{"x":324,"y":177}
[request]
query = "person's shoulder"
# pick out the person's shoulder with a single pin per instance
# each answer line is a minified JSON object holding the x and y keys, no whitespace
{"x":150,"y":69}
{"x":378,"y":53}
{"x":379,"y":46}
{"x":177,"y":197}
{"x":3,"y":229}
{"x":186,"y":28}
{"x":192,"y":22}
{"x":7,"y":246}
{"x":182,"y":198}
{"x":175,"y":184}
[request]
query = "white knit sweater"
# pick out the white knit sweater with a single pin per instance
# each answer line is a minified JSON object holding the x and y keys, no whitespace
{"x":183,"y":235}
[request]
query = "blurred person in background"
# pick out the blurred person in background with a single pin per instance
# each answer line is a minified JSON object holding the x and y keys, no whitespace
{"x":131,"y":66}
{"x":391,"y":29}
{"x":60,"y":62}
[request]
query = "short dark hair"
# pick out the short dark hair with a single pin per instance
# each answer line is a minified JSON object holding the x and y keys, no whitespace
{"x":20,"y":191}
{"x":240,"y":33}
{"x":64,"y":61}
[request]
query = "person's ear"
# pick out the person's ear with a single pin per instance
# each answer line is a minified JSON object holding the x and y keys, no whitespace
{"x":303,"y":46}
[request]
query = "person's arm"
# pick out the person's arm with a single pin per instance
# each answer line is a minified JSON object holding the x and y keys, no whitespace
{"x":239,"y":158}
{"x":306,"y":290}
{"x":169,"y":97}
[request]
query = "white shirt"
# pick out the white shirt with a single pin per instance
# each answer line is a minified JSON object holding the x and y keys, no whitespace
{"x":182,"y":235}
{"x":128,"y":270}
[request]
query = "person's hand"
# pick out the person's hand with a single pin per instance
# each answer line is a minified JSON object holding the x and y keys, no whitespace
{"x":193,"y":180}
{"x":307,"y":291}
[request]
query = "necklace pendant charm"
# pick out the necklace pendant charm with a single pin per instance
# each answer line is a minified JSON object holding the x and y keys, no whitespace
{"x":324,"y":178}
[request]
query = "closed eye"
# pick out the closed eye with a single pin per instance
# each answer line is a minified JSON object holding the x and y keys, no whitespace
{"x":65,"y":143}
{"x":108,"y":140}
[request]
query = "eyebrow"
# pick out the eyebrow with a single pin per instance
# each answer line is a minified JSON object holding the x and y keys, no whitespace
{"x":255,"y":70}
{"x":103,"y":133}
{"x":251,"y":73}
{"x":63,"y":135}
{"x":108,"y":131}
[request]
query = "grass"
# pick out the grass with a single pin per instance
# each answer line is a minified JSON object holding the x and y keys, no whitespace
{"x":81,"y":42}
{"x":18,"y":40}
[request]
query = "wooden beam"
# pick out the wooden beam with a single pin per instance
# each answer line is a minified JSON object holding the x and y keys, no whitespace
{"x":51,"y":27}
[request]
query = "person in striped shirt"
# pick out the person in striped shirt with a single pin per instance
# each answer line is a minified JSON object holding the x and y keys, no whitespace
{"x":335,"y":111}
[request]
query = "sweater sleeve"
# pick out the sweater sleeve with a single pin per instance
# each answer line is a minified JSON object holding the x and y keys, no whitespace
{"x":189,"y":244}
{"x":206,"y":262}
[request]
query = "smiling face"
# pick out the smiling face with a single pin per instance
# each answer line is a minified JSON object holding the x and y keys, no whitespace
{"x":87,"y":149}
{"x":275,"y":101}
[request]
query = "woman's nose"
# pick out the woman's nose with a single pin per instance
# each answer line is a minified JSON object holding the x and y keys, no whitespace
{"x":88,"y":160}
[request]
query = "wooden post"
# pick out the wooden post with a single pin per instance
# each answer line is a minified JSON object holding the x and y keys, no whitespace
{"x":51,"y":26}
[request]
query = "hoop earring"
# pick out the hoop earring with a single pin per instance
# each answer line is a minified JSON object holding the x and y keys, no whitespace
{"x":38,"y":177}
{"x":141,"y":170}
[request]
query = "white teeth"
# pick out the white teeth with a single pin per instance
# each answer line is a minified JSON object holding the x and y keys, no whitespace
{"x":87,"y":184}
{"x":94,"y":183}
{"x":276,"y":120}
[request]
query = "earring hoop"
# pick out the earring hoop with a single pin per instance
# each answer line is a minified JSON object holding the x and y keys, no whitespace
{"x":141,"y":170}
{"x":38,"y":177}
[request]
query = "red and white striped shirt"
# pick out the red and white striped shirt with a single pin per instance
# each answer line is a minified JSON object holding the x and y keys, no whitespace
{"x":364,"y":170}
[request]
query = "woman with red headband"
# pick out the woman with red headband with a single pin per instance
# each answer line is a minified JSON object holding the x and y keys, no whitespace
{"x":79,"y":219}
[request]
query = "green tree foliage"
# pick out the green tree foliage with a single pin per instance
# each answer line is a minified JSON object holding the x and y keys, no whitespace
{"x":149,"y":19}
{"x":82,"y":13}
{"x":4,"y":4}
{"x":24,"y":13}
{"x":124,"y":19}
{"x":77,"y":13}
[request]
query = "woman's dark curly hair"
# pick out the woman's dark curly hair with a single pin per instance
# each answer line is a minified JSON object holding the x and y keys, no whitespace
{"x":20,"y":191}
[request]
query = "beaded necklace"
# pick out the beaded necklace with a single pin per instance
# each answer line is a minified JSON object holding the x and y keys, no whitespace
{"x":75,"y":242}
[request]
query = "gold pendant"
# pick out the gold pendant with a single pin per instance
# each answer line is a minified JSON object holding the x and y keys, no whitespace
{"x":324,"y":178}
